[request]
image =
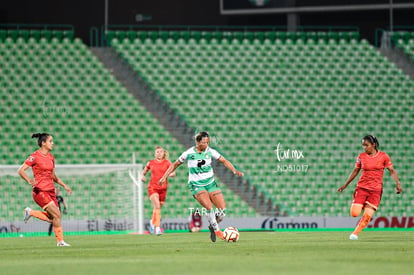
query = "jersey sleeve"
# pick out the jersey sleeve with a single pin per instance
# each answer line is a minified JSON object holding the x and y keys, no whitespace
{"x":216,"y":155}
{"x":148,"y":166}
{"x":387,"y":161}
{"x":358,"y":163}
{"x":30,"y":161}
{"x":183,"y":157}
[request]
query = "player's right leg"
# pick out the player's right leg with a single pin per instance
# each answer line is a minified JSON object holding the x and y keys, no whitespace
{"x":203,"y":198}
{"x":28,"y":213}
{"x":363,"y":222}
{"x":359,"y":203}
{"x":42,"y":199}
{"x":356,"y":209}
{"x":156,"y":214}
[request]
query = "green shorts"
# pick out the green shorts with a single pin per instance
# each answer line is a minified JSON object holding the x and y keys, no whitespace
{"x":209,"y":188}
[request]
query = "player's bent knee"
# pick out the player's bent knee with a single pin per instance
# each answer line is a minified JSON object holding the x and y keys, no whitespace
{"x":355,"y":210}
{"x":355,"y":213}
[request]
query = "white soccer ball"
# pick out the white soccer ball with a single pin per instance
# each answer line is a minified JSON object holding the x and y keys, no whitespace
{"x":231,"y":234}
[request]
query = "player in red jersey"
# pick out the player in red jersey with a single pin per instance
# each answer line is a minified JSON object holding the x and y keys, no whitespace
{"x":368,"y":191}
{"x":156,"y":192}
{"x":42,"y":163}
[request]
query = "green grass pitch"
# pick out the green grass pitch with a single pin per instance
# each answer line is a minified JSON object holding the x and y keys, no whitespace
{"x":377,"y":252}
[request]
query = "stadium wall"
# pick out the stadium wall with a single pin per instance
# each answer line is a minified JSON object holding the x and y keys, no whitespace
{"x":269,"y":223}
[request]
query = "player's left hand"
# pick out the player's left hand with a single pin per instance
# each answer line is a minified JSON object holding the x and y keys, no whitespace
{"x":68,"y":190}
{"x":342,"y":188}
{"x":399,"y":189}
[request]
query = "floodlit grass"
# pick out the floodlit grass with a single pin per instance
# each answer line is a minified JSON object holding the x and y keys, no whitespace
{"x":379,"y":252}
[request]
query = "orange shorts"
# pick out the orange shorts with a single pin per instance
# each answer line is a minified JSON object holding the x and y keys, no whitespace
{"x":43,"y":198}
{"x":162,"y":193}
{"x":365,"y":196}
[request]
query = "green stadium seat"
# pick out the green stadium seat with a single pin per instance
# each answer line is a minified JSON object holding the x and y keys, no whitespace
{"x":57,"y":34}
{"x":13,"y":34}
{"x":292,"y":77}
{"x":120,"y":35}
{"x":24,"y":34}
{"x":3,"y":35}
{"x":131,"y":35}
{"x":69,"y":34}
{"x":46,"y":34}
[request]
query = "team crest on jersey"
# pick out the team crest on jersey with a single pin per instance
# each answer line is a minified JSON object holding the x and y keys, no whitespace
{"x":31,"y":158}
{"x":207,"y":156}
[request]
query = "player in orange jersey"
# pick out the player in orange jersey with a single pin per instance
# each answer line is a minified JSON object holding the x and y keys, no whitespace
{"x":42,"y":163}
{"x":156,"y":192}
{"x":368,"y":191}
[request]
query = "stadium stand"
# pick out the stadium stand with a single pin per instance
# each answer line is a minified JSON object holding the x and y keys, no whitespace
{"x":51,"y":82}
{"x":405,"y":41}
{"x":314,"y":94}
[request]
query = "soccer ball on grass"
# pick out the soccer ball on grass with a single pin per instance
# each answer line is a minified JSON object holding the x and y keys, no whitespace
{"x":231,"y":234}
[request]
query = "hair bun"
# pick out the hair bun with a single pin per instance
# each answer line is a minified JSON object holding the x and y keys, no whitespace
{"x":36,"y":135}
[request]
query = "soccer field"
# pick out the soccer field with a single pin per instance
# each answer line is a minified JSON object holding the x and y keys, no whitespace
{"x":377,"y":252}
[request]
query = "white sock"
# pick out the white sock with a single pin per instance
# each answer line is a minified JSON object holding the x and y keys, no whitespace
{"x":220,"y":215}
{"x":211,"y":216}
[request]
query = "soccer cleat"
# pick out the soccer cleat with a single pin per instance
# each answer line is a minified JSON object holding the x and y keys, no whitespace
{"x":152,"y":228}
{"x":62,"y":243}
{"x":212,"y":234}
{"x":158,"y":231}
{"x":353,"y":237}
{"x":219,"y":234}
{"x":27,"y":214}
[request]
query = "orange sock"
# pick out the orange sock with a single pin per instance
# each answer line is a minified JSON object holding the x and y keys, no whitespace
{"x":58,"y":233}
{"x":40,"y":215}
{"x":363,"y":222}
{"x":156,"y":217}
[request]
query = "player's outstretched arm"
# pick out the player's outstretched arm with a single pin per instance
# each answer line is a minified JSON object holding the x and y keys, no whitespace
{"x":61,"y":183}
{"x":395,"y":177}
{"x":169,"y":171}
{"x":230,"y":166}
{"x":350,"y":179}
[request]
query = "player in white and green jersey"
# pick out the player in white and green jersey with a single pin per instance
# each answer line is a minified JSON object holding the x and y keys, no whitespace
{"x":200,"y":172}
{"x":201,"y":179}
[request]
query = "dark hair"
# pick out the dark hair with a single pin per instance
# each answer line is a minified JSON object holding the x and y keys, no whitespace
{"x":200,"y":136}
{"x":371,"y":139}
{"x":41,"y":137}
